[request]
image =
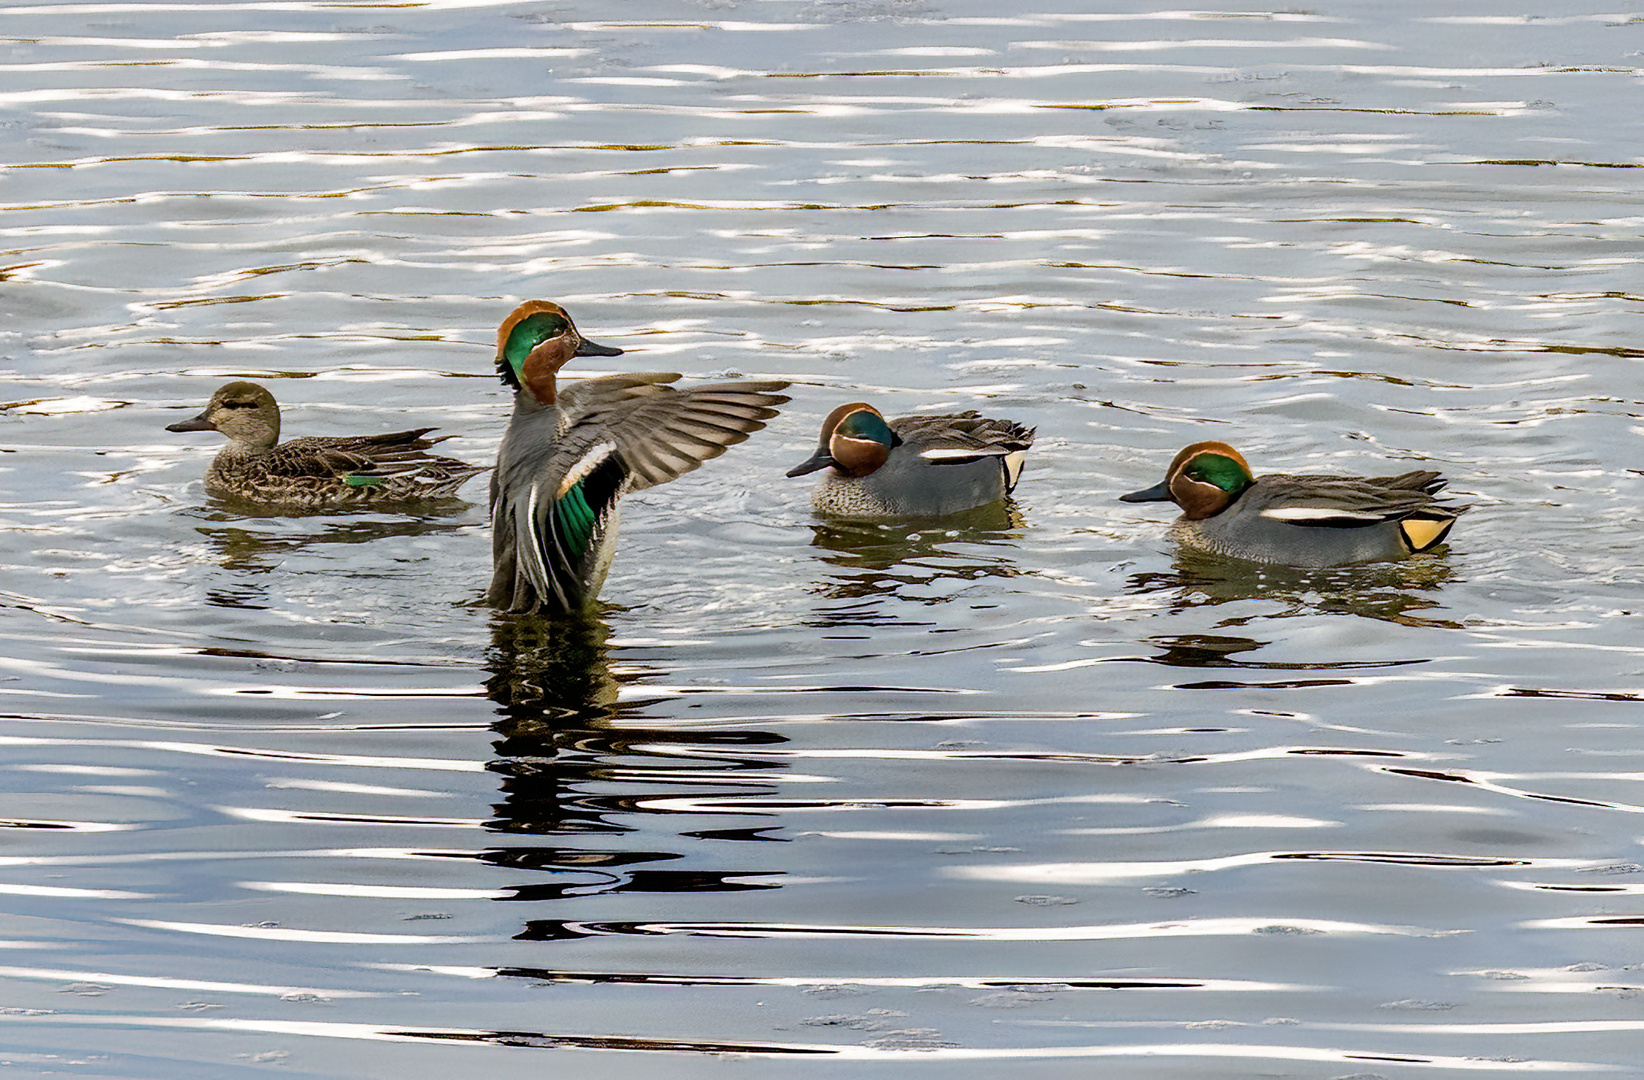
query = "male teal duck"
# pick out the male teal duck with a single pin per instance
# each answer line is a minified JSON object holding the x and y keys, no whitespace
{"x":1299,"y":520}
{"x":317,"y":472}
{"x":913,"y":466}
{"x":569,"y":455}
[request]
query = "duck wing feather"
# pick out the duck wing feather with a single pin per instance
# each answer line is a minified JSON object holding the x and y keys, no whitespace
{"x":1331,"y":501}
{"x":662,"y":432}
{"x":552,"y":514}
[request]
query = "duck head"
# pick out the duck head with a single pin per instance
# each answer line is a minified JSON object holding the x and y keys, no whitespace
{"x":244,"y":411}
{"x":536,"y":341}
{"x":1204,"y":480}
{"x":855,"y":440}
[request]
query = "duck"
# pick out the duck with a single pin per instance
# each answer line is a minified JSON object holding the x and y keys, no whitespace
{"x":317,"y":472}
{"x":569,"y":455}
{"x":1304,"y":520}
{"x":913,"y":466}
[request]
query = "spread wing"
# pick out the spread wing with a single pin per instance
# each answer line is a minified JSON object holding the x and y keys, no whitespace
{"x":661,"y":432}
{"x":554,"y":513}
{"x":551,"y":526}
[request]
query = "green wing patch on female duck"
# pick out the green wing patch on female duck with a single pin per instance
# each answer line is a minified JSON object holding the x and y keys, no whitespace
{"x":316,"y":472}
{"x":569,"y":455}
{"x":1300,"y":519}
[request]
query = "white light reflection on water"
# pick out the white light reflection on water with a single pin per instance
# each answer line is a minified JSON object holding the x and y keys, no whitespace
{"x":1200,"y":823}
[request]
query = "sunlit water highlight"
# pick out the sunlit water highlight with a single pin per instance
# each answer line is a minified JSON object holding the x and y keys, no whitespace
{"x":283,"y":797}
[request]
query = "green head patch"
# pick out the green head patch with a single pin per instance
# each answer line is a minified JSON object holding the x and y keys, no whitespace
{"x":1220,"y":471}
{"x":527,"y":334}
{"x":863,"y":424}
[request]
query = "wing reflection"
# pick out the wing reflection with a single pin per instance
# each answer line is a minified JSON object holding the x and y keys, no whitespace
{"x":579,"y":760}
{"x":248,"y":545}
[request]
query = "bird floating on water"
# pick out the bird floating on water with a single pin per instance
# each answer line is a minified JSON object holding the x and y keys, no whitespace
{"x":913,"y":466}
{"x":317,"y":472}
{"x":570,"y":454}
{"x":1310,"y":520}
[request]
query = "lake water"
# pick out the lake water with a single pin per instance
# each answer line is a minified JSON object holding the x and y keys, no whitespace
{"x":1032,"y":791}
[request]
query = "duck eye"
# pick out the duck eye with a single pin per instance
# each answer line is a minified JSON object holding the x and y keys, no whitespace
{"x":239,"y":404}
{"x":539,"y":327}
{"x":531,"y":331}
{"x":864,"y":425}
{"x":1218,"y":471}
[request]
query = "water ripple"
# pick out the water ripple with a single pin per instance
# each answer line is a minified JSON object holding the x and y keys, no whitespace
{"x":559,"y":930}
{"x":1336,"y":241}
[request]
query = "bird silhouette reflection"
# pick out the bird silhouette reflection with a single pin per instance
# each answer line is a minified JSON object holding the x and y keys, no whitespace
{"x":597,"y":794}
{"x":1396,"y":592}
{"x":922,"y":561}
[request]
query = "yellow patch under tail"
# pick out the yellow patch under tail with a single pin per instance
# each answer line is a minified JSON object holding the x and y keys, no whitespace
{"x":1423,"y":533}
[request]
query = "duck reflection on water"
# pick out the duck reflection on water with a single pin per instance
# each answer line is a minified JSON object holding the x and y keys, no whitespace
{"x":1222,"y":652}
{"x":550,"y":673}
{"x":577,"y":758}
{"x":249,"y":545}
{"x":1395,"y":592}
{"x":925,"y":561}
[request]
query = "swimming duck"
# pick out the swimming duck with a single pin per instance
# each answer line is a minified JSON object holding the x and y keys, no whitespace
{"x":316,"y":472}
{"x":913,"y":466}
{"x":569,"y":455}
{"x":1299,"y":520}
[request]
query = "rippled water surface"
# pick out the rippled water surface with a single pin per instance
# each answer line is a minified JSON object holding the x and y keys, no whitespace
{"x":1030,"y":791}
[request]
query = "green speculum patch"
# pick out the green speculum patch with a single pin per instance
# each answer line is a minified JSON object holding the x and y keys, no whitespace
{"x":575,"y":520}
